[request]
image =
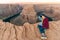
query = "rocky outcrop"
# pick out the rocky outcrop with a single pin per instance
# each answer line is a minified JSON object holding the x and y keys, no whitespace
{"x":28,"y":31}
{"x":7,"y":10}
{"x":51,"y":10}
{"x":28,"y":14}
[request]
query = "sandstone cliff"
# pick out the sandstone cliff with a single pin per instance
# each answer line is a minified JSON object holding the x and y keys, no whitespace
{"x":52,"y":10}
{"x":28,"y":14}
{"x":7,"y":10}
{"x":28,"y":31}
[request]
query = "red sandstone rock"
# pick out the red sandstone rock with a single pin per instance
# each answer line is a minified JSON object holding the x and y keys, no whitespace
{"x":28,"y":31}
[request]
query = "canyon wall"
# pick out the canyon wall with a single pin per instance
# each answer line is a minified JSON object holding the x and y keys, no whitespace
{"x":7,"y":10}
{"x":28,"y":14}
{"x":51,"y":10}
{"x":28,"y":31}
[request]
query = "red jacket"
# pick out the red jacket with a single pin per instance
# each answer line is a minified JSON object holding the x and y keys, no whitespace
{"x":46,"y":23}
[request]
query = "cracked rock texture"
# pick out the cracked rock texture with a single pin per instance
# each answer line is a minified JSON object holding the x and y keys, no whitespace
{"x":28,"y":31}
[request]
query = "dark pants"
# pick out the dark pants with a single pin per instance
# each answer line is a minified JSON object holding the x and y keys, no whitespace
{"x":41,"y":29}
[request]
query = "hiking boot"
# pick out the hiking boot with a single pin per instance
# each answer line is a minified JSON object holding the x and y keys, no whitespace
{"x":43,"y":36}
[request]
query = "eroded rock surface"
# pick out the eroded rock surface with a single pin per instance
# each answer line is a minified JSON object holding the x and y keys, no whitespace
{"x":51,"y":10}
{"x":7,"y":10}
{"x":28,"y":14}
{"x":28,"y":31}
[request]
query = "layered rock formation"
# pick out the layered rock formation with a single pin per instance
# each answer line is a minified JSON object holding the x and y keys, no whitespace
{"x":28,"y":31}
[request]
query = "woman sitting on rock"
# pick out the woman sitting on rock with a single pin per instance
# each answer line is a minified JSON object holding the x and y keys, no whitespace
{"x":43,"y":25}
